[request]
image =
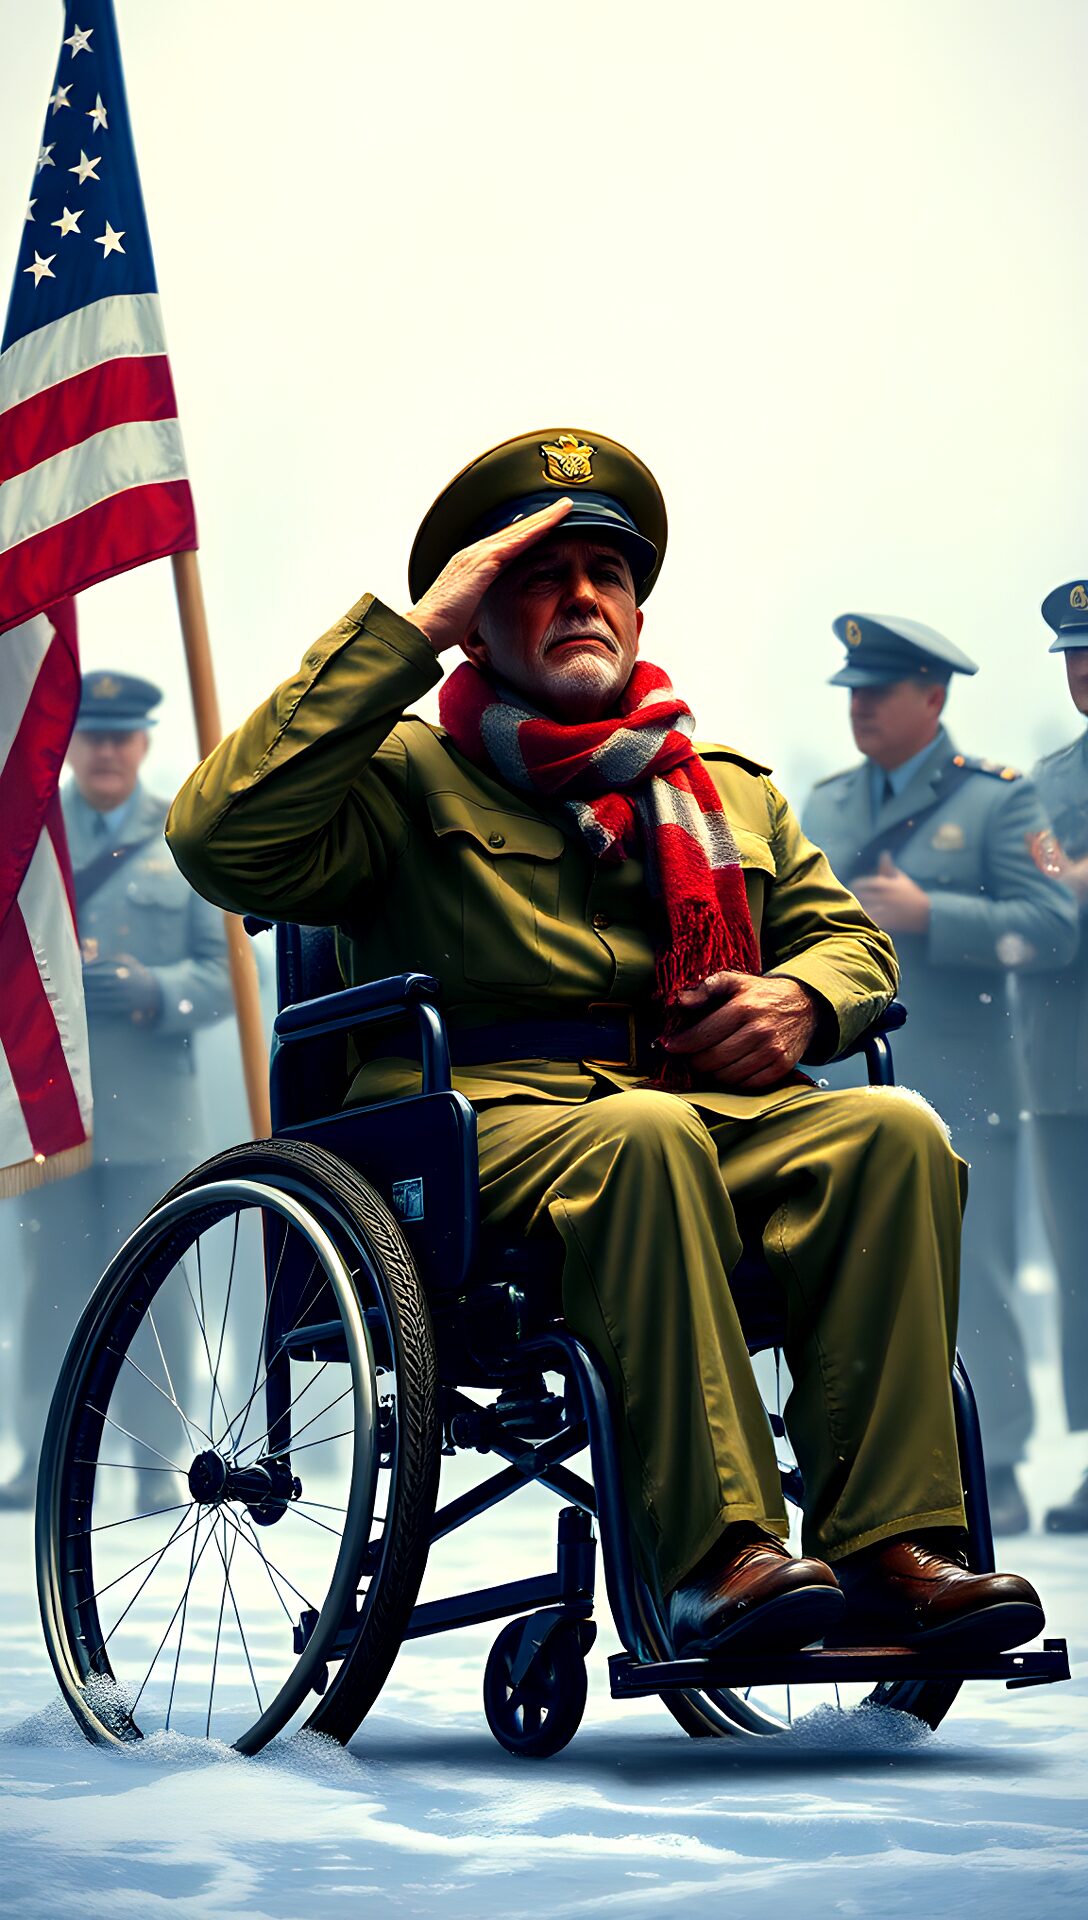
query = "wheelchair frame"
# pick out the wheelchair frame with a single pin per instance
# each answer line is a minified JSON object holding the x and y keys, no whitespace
{"x":528,"y":1430}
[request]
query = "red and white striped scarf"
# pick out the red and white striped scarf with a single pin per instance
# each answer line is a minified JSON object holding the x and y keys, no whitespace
{"x":632,"y":781}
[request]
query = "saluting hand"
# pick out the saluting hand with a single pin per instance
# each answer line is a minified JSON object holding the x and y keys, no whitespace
{"x":891,"y":898}
{"x":446,"y":615}
{"x":753,"y":1031}
{"x":1051,"y":858}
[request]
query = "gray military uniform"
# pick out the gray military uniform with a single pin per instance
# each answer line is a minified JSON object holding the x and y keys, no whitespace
{"x":959,"y":832}
{"x":1055,"y":1020}
{"x":148,"y":1127}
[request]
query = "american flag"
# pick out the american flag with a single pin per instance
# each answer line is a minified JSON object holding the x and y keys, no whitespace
{"x":92,"y":481}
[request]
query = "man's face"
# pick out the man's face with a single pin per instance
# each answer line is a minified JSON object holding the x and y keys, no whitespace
{"x":106,"y":765}
{"x":561,"y":626}
{"x":1076,"y":672}
{"x":894,"y":722}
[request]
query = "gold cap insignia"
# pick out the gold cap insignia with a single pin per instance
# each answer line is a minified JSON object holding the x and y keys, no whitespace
{"x":1078,"y":598}
{"x":568,"y":461}
{"x":949,"y":837}
{"x":105,"y":687}
{"x":853,"y":634}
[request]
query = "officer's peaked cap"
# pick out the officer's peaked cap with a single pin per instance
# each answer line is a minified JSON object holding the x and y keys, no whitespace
{"x":616,"y":498}
{"x":882,"y":648}
{"x":116,"y":703}
{"x":1066,"y":610}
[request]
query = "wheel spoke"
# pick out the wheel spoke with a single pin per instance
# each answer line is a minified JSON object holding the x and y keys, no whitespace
{"x":218,"y":1634}
{"x":104,"y":1526}
{"x":130,"y":1362}
{"x":181,"y":1629}
{"x":247,"y":1534}
{"x":309,"y":1423}
{"x":344,"y":1434}
{"x":268,"y":1570}
{"x":314,"y":1523}
{"x":223,"y":1326}
{"x":104,"y":1643}
{"x":291,"y":1403}
{"x":169,"y":1379}
{"x":300,"y":1321}
{"x":200,"y":1319}
{"x":238,"y":1618}
{"x":269,"y":1291}
{"x":135,"y":1436}
{"x":169,"y":1624}
{"x":155,"y":1553}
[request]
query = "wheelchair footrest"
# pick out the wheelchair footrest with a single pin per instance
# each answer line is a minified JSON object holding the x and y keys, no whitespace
{"x":1029,"y":1667}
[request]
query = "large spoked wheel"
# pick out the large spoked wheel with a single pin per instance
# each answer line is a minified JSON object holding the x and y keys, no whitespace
{"x":241,"y":1459}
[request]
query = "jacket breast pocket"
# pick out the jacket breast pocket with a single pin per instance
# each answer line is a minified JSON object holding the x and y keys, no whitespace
{"x":508,"y":870}
{"x":151,"y":914}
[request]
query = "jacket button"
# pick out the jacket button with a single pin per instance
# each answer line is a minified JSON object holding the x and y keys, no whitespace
{"x":496,"y":839}
{"x":601,"y":921}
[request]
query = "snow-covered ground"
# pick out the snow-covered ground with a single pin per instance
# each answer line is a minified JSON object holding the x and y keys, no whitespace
{"x":854,"y":1813}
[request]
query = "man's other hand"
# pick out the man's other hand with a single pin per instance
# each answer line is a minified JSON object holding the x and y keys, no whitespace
{"x":748,"y":1031}
{"x":446,"y":615}
{"x":892,"y":898}
{"x":123,"y":987}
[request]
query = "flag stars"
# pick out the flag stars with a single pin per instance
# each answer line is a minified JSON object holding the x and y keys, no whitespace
{"x":42,"y":269}
{"x":86,"y":168}
{"x":30,"y":206}
{"x":45,"y":156}
{"x":109,"y":241}
{"x":60,"y":98}
{"x":68,"y":222}
{"x":80,"y":40}
{"x":97,"y":113}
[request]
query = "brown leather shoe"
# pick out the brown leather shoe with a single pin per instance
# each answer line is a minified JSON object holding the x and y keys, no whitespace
{"x":750,"y":1591}
{"x":906,"y":1594}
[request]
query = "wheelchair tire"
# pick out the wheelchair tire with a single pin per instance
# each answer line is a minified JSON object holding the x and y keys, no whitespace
{"x":317,"y":1216}
{"x":539,"y":1715}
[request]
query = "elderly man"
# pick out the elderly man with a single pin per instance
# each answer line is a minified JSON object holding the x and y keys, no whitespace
{"x":637,"y":947}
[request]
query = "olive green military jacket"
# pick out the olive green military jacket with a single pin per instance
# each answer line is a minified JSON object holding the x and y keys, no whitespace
{"x":329,"y":808}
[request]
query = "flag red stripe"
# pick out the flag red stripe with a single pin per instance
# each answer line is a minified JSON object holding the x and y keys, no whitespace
{"x":28,"y":1034}
{"x":54,"y":826}
{"x":29,"y":776}
{"x":143,"y":523}
{"x":132,"y":388}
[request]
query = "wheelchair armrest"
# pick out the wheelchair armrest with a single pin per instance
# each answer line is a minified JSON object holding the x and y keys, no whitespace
{"x":873,"y":1043}
{"x":399,"y":995}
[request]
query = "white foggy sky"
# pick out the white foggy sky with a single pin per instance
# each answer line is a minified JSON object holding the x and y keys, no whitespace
{"x":824,"y":266}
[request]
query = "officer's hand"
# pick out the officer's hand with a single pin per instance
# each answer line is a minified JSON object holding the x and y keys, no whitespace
{"x":753,"y":1033}
{"x":446,"y":615}
{"x":123,"y":987}
{"x":1051,"y":858}
{"x":893,"y":899}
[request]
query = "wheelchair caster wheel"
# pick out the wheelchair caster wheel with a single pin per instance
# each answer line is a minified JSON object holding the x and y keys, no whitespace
{"x":538,"y":1713}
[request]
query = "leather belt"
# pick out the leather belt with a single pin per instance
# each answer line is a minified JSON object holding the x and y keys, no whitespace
{"x":606,"y":1036}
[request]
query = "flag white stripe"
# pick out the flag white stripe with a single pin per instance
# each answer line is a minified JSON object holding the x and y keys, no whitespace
{"x":25,"y":648}
{"x":43,"y":903}
{"x":137,"y":453}
{"x":121,"y":326}
{"x":15,"y":1142}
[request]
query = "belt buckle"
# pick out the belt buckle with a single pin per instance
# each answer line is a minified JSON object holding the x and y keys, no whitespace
{"x":616,"y":1008}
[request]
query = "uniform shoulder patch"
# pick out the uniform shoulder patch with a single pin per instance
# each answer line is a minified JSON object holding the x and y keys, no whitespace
{"x":994,"y":768}
{"x":713,"y":750}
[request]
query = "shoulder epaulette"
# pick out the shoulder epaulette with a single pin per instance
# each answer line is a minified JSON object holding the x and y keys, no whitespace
{"x":713,"y":750}
{"x":993,"y":767}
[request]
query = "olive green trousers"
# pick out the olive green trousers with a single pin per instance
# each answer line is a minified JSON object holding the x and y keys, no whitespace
{"x":857,"y":1199}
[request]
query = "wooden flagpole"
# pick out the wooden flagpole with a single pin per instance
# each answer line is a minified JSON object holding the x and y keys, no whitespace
{"x":209,"y":732}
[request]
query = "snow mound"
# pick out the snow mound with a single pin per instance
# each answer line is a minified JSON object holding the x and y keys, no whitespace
{"x":866,"y":1728}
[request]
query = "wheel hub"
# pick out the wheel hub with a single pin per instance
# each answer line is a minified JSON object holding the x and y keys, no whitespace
{"x":264,"y":1487}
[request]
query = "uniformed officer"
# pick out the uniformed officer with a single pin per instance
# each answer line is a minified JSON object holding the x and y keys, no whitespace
{"x":154,"y":970}
{"x":1056,"y":1033}
{"x":934,"y":845}
{"x":580,"y":877}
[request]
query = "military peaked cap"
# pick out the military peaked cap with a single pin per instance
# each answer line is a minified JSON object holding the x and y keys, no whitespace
{"x":116,"y":703}
{"x":616,"y":498}
{"x":1066,"y":610}
{"x":881,"y":648}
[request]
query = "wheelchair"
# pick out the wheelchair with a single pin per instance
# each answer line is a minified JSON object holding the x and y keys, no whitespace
{"x":350,"y":1325}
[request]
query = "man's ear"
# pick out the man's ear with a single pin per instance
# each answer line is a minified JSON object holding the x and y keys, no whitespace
{"x":475,"y":648}
{"x":640,"y":618}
